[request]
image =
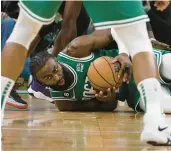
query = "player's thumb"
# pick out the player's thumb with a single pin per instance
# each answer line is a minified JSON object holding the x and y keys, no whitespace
{"x":114,"y":60}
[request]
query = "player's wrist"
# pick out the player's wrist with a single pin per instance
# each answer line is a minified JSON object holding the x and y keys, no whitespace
{"x":124,"y":54}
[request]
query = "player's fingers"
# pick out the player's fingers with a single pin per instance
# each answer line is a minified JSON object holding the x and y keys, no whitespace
{"x":109,"y":92}
{"x":121,"y":71}
{"x":100,"y":94}
{"x":129,"y":75}
{"x":93,"y":91}
{"x":114,"y":60}
{"x":125,"y":77}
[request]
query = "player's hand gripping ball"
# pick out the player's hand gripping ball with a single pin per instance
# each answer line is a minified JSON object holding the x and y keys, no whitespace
{"x":103,"y":74}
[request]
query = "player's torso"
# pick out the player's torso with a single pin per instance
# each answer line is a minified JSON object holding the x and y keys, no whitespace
{"x":80,"y":89}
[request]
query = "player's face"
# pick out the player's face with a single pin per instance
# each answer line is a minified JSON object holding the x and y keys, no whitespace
{"x":51,"y":73}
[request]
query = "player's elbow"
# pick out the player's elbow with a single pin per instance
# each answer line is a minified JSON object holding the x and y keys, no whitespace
{"x":108,"y":106}
{"x":62,"y":105}
{"x":74,"y":44}
{"x":73,"y":47}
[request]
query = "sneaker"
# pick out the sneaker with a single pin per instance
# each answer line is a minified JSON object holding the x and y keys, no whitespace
{"x":40,"y":91}
{"x":156,"y":132}
{"x":15,"y":99}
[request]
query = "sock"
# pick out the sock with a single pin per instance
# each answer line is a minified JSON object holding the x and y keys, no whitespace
{"x":150,"y":91}
{"x":6,"y":86}
{"x":166,"y":101}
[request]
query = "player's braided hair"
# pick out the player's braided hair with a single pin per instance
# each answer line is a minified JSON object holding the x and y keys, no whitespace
{"x":38,"y":61}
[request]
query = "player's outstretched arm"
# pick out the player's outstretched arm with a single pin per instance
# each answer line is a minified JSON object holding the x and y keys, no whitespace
{"x":82,"y":46}
{"x":69,"y":29}
{"x":92,"y":105}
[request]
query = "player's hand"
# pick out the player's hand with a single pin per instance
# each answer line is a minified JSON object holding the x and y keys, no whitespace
{"x":109,"y":95}
{"x":126,"y":66}
{"x":159,"y":45}
{"x":161,"y":5}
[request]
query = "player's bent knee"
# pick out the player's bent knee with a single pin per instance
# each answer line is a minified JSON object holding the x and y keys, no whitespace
{"x":24,"y":31}
{"x":133,"y":38}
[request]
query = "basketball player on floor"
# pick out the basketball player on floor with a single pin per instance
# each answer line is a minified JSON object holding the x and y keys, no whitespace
{"x":70,"y":85}
{"x":127,"y":25}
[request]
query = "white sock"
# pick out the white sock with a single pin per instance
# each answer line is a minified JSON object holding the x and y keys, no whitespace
{"x":150,"y":91}
{"x":6,"y":86}
{"x":166,"y":101}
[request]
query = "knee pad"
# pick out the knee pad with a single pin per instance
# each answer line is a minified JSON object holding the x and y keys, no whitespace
{"x":132,"y":38}
{"x":24,"y":31}
{"x":165,"y":67}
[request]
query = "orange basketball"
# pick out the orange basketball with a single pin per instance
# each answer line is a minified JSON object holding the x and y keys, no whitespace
{"x":102,"y":74}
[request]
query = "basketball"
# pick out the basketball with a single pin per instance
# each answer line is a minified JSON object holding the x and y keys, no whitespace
{"x":102,"y":74}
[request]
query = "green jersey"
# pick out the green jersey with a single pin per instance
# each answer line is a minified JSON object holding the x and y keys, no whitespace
{"x":79,"y":90}
{"x":131,"y":94}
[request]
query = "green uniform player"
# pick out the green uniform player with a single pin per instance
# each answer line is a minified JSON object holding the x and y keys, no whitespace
{"x":107,"y":14}
{"x":131,"y":94}
{"x":80,"y":89}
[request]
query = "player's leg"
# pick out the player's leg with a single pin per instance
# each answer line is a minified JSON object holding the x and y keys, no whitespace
{"x":165,"y":73}
{"x":165,"y":67}
{"x":165,"y":102}
{"x":33,"y":14}
{"x":129,"y":31}
{"x":163,"y":61}
{"x":145,"y":75}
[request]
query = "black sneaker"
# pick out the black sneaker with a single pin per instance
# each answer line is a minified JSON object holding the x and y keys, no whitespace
{"x":15,"y":99}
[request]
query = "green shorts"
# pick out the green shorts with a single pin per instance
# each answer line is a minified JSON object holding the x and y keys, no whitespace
{"x":107,"y":14}
{"x":41,"y":11}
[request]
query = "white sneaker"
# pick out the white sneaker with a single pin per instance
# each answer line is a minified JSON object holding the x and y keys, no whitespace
{"x":156,"y":131}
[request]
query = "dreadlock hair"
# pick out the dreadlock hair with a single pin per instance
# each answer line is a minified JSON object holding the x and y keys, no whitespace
{"x":38,"y":61}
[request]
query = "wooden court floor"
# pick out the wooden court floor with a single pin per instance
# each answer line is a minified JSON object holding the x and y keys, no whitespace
{"x":43,"y":128}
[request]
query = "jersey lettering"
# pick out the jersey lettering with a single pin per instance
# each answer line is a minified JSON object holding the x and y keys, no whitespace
{"x":80,"y":67}
{"x":87,"y":88}
{"x":66,"y":94}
